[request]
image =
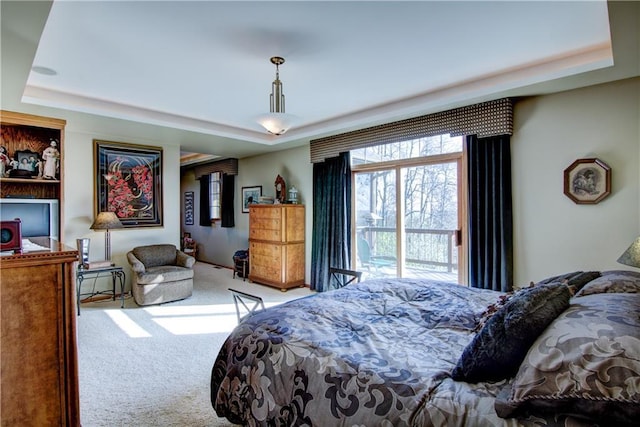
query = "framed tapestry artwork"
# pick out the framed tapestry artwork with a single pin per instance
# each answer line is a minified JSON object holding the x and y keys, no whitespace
{"x":587,"y":181}
{"x":128,"y":180}
{"x":188,"y":208}
{"x":250,"y":195}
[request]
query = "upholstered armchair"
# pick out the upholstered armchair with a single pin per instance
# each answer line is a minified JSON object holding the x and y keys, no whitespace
{"x":162,"y":273}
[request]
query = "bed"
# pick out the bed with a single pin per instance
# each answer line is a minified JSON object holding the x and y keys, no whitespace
{"x":409,"y":352}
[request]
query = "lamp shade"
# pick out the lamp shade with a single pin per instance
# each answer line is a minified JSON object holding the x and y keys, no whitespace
{"x":276,"y":123}
{"x":632,"y":255}
{"x":106,"y":221}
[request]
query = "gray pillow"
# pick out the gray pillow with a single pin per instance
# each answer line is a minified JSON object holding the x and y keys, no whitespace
{"x":495,"y":353}
{"x":615,"y":281}
{"x":575,"y":280}
{"x":585,"y":364}
{"x":560,"y":278}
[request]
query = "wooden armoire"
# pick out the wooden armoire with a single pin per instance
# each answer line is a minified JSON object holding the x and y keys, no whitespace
{"x":276,"y":245}
{"x":38,"y":322}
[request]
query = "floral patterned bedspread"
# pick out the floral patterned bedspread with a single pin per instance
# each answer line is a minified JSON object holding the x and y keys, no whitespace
{"x":376,"y":353}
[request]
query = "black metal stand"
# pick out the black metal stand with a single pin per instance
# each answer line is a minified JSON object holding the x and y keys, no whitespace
{"x":114,"y":272}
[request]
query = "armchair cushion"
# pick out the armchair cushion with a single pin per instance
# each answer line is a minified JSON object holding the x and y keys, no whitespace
{"x":162,"y":274}
{"x":155,"y":255}
{"x":184,"y":260}
{"x":136,"y":265}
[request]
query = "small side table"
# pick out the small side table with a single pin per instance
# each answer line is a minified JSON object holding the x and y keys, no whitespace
{"x":240,"y":267}
{"x":115,"y":273}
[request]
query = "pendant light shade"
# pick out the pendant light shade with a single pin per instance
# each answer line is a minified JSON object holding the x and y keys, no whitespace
{"x":277,"y":121}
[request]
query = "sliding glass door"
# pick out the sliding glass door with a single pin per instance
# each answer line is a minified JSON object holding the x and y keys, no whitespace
{"x":407,"y":210}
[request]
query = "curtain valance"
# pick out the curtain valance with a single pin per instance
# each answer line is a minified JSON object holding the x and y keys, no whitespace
{"x":226,"y":166}
{"x":489,"y":118}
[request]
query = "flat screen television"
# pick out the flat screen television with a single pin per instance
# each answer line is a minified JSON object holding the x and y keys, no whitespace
{"x":39,"y":217}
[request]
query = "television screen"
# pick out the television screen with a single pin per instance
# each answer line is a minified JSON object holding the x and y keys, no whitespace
{"x":38,"y":217}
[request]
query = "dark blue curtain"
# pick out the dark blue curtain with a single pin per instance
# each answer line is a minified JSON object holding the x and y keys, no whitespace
{"x":205,"y":217}
{"x":331,"y":242}
{"x":228,"y":191}
{"x":490,"y":213}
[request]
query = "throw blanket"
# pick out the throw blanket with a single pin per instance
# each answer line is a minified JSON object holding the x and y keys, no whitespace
{"x":367,"y":354}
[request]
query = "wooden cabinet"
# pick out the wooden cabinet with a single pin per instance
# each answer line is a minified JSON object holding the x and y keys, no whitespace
{"x":38,"y":322}
{"x":276,"y":245}
{"x":27,"y":171}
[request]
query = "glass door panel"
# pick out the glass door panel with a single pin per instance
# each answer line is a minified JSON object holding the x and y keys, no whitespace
{"x":376,"y":223}
{"x":430,"y":198}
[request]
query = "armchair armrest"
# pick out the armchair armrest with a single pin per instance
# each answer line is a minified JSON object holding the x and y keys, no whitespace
{"x":184,"y":260}
{"x":136,"y":265}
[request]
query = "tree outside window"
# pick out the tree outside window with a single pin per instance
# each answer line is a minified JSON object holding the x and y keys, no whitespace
{"x":215,"y":193}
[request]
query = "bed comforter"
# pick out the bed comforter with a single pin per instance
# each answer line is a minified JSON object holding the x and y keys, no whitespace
{"x":377,"y":353}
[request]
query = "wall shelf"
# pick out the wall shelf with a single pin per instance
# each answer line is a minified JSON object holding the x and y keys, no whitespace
{"x":30,"y":180}
{"x":25,"y":134}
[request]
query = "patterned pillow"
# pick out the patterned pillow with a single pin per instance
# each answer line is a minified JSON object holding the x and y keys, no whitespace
{"x":560,"y":278}
{"x":575,"y":280}
{"x":585,"y":364}
{"x":498,"y":349}
{"x":615,"y":281}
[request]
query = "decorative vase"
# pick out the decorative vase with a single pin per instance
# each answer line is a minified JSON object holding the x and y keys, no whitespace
{"x":83,"y":249}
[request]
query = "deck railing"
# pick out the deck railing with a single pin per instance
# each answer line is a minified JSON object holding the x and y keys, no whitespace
{"x":424,"y":247}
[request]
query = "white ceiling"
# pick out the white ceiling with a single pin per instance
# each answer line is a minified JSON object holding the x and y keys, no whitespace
{"x":203,"y":66}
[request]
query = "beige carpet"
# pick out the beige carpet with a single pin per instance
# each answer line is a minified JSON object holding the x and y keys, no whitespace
{"x":151,"y":366}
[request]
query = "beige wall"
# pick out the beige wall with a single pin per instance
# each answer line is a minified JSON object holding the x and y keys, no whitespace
{"x":216,"y":244}
{"x":79,"y":199}
{"x":552,"y":233}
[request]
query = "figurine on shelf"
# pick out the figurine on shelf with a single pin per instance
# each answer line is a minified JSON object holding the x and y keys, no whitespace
{"x":35,"y":166}
{"x":281,"y":190}
{"x":4,"y":161}
{"x":50,"y":156}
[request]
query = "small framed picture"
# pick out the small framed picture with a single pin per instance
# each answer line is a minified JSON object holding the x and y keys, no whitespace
{"x":250,"y":195}
{"x":28,"y":161}
{"x":188,"y":208}
{"x":587,"y":181}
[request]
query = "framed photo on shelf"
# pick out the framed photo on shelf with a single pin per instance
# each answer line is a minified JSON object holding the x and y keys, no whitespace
{"x":128,"y":181}
{"x":250,"y":195}
{"x":188,"y":208}
{"x":587,"y":181}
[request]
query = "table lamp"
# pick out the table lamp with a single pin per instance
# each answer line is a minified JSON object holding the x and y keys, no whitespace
{"x":632,"y":255}
{"x":106,"y":221}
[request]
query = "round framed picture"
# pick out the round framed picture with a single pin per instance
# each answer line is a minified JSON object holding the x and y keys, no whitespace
{"x":587,"y":181}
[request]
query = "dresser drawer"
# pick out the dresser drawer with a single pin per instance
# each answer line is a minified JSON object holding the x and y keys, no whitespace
{"x":271,"y":235}
{"x":267,"y":250}
{"x":265,"y":260}
{"x":272,"y":273}
{"x":265,"y":212}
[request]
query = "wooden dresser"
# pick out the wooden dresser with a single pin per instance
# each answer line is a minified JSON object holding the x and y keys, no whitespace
{"x":276,"y":245}
{"x":38,"y":342}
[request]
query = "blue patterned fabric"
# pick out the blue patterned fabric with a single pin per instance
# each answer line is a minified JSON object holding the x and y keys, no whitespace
{"x":364,"y":353}
{"x":381,"y":353}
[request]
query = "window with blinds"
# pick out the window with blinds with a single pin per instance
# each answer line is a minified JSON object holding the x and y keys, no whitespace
{"x":215,"y":196}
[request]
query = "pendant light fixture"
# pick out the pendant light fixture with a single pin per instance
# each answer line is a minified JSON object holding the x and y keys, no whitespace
{"x":277,"y":121}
